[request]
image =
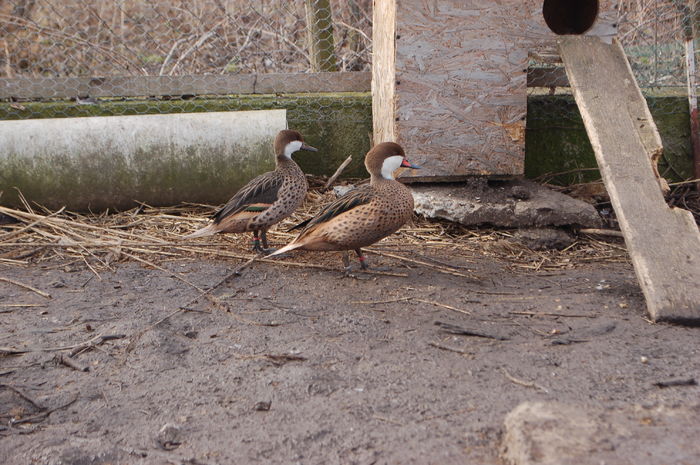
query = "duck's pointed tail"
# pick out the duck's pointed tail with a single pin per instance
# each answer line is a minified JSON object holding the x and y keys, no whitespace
{"x":291,"y":246}
{"x":208,"y":230}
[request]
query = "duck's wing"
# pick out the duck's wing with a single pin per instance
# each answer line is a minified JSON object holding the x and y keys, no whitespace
{"x":353,"y":199}
{"x":255,"y":196}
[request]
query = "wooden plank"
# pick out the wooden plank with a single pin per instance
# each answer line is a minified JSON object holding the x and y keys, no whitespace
{"x":460,"y":96}
{"x":144,"y":86}
{"x":664,"y":243}
{"x":140,"y":86}
{"x":383,"y":70}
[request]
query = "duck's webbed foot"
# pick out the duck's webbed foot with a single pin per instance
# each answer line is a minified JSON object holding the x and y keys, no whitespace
{"x":348,"y":268}
{"x":265,"y":246}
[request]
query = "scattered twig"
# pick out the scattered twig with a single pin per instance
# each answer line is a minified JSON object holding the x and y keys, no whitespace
{"x":438,"y":304}
{"x":23,"y":395}
{"x":441,"y":269}
{"x":22,"y":305}
{"x":26,"y":286}
{"x":449,"y":349}
{"x":12,"y":351}
{"x":36,"y":222}
{"x":523,"y":383}
{"x":206,"y":36}
{"x":337,"y":173}
{"x":681,"y":183}
{"x":69,"y":362}
{"x":524,"y":313}
{"x":376,"y":302}
{"x":388,"y":420}
{"x":601,"y":232}
{"x":459,"y":331}
{"x":275,"y":359}
{"x":43,"y":415}
{"x":677,"y":382}
{"x":94,"y":342}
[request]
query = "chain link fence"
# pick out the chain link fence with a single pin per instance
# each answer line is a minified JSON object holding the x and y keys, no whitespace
{"x":90,"y":57}
{"x":653,"y":34}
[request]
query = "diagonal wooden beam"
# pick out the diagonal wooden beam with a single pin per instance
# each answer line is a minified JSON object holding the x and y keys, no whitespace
{"x":663,"y":242}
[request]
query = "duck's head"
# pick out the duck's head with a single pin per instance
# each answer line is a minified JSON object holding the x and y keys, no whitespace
{"x":289,"y":141}
{"x":385,"y":158}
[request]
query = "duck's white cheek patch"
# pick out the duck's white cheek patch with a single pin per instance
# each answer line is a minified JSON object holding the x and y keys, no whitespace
{"x":292,"y":147}
{"x":390,"y":165}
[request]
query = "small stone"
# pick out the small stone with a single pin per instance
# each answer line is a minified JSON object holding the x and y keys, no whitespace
{"x":262,"y":406}
{"x":544,"y":238}
{"x":520,"y":192}
{"x":169,"y":437}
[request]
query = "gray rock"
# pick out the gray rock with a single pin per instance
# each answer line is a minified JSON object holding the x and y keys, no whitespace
{"x":552,"y":433}
{"x":544,"y":238}
{"x":342,"y":190}
{"x":169,"y":437}
{"x":516,"y":203}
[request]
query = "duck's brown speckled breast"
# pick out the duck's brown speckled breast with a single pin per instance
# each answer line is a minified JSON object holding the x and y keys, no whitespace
{"x":390,"y":208}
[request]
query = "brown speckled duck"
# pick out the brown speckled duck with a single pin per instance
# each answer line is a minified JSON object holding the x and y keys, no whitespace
{"x":364,"y":215}
{"x":267,"y":199}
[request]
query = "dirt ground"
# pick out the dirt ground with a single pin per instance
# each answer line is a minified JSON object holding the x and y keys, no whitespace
{"x":298,"y":365}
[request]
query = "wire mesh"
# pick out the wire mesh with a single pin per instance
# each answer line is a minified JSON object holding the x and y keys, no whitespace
{"x":187,"y":44}
{"x":652,"y":33}
{"x":197,"y":48}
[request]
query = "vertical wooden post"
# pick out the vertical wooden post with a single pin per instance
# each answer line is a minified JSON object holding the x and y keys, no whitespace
{"x":319,"y":25}
{"x":690,"y":31}
{"x":384,"y":70}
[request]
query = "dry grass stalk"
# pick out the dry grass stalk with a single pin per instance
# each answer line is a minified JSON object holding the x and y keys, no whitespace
{"x":153,"y":236}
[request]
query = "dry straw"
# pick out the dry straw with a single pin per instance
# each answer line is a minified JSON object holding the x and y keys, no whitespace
{"x":152,"y":236}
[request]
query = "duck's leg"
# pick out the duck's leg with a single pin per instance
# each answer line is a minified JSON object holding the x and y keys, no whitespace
{"x":265,"y":248}
{"x":362,"y":258}
{"x":348,"y":267}
{"x":365,"y":266}
{"x":256,"y":242}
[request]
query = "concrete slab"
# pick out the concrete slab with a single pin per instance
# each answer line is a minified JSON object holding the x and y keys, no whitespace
{"x":516,"y":203}
{"x":552,"y":433}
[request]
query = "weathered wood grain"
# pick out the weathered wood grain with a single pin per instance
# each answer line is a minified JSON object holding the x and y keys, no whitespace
{"x":664,"y":243}
{"x":144,"y":86}
{"x":383,"y":70}
{"x":457,"y":97}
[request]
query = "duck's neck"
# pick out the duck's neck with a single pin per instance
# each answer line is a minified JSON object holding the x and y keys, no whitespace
{"x":379,"y":180}
{"x":283,"y":163}
{"x":282,"y":160}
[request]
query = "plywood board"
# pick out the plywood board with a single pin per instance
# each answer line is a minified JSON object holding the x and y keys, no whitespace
{"x":664,"y":243}
{"x":457,"y":98}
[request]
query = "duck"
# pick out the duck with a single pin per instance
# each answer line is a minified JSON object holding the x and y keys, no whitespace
{"x":364,"y":215}
{"x":267,"y":199}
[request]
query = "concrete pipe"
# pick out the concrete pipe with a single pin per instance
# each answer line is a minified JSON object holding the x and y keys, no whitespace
{"x":112,"y":162}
